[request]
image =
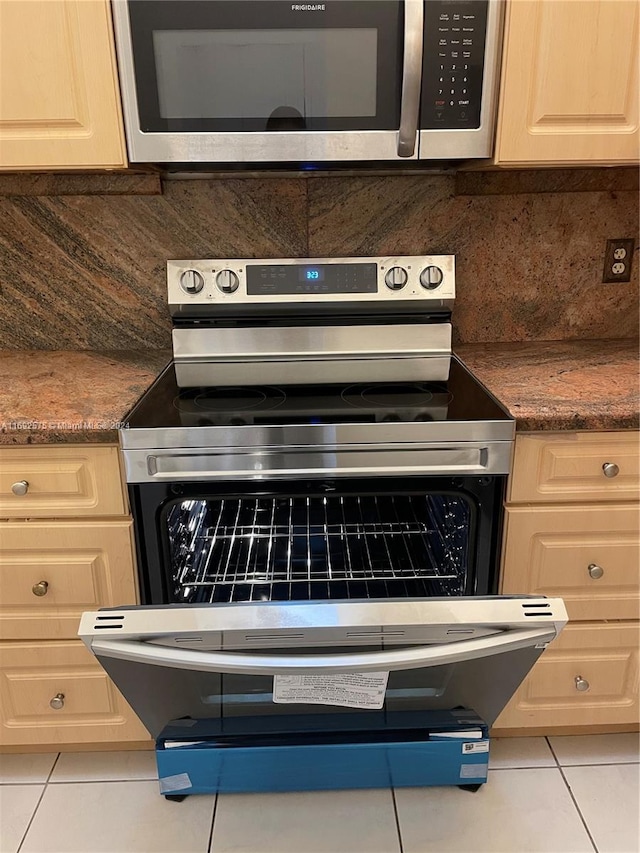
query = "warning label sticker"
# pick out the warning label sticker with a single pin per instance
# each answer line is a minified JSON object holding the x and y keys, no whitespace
{"x":347,"y":690}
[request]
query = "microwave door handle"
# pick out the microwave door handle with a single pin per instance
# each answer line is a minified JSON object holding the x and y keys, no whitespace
{"x":411,"y":77}
{"x":138,"y":651}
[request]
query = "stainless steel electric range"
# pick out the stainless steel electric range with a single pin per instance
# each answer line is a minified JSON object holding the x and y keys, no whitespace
{"x":317,"y":485}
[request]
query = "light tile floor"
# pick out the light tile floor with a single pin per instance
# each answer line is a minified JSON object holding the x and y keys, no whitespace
{"x":555,"y":795}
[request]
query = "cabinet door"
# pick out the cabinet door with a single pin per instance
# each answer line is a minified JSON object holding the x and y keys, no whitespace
{"x":59,"y":98}
{"x":569,"y":90}
{"x":51,"y":572}
{"x":576,"y":467}
{"x":587,"y":676}
{"x":61,"y":481}
{"x":586,"y":555}
{"x":55,"y":692}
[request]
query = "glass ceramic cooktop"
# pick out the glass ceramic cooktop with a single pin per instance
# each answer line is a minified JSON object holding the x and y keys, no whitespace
{"x":461,"y":398}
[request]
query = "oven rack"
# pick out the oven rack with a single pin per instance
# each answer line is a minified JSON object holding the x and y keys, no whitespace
{"x":282,"y":547}
{"x":318,"y":590}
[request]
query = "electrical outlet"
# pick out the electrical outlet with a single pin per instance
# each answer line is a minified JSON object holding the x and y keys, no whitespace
{"x":618,"y":257}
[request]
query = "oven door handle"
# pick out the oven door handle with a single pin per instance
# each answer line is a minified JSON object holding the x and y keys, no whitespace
{"x":138,"y":651}
{"x":411,"y":77}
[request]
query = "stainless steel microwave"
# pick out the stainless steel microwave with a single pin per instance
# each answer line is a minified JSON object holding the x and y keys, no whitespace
{"x":250,"y":81}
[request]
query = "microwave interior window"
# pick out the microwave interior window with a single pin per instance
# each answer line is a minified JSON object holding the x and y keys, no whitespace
{"x":283,"y":77}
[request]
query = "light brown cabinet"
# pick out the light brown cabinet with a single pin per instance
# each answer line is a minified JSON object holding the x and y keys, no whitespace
{"x":570,"y":467}
{"x":569,"y":90}
{"x":56,"y":482}
{"x":586,"y":555}
{"x":50,"y":573}
{"x":59,"y":98}
{"x":53,"y":693}
{"x":52,"y":568}
{"x":587,"y":677}
{"x":572,"y":531}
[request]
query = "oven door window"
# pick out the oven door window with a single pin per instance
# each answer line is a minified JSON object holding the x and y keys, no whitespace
{"x":243,"y":704}
{"x":319,"y":546}
{"x":222,"y":66}
{"x":251,"y":695}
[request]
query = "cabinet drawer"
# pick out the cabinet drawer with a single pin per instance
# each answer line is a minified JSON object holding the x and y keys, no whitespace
{"x":586,"y":555}
{"x":605,"y":656}
{"x":91,"y":708}
{"x":61,"y":481}
{"x":569,"y":467}
{"x":50,"y":572}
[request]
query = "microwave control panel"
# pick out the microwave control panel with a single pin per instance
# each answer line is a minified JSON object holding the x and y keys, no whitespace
{"x":453,"y":64}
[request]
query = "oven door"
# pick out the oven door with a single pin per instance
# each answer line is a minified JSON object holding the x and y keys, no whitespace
{"x":318,"y":662}
{"x":267,"y":80}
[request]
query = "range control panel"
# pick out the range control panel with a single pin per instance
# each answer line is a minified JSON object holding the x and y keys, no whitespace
{"x":227,"y":282}
{"x":270,"y":279}
{"x":453,"y":64}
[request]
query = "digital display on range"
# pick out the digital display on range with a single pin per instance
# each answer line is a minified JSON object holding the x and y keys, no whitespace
{"x":306,"y":279}
{"x":311,"y":274}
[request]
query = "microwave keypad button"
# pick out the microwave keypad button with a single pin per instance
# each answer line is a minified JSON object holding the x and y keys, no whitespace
{"x":191,"y":281}
{"x":227,"y":281}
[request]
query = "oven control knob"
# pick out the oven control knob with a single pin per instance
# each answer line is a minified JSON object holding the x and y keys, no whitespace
{"x":396,"y":278}
{"x":191,"y":281}
{"x":227,"y":281}
{"x":431,"y":277}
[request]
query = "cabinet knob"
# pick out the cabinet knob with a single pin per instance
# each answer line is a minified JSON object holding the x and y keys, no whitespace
{"x":610,"y":469}
{"x":20,"y":488}
{"x":57,"y":702}
{"x":595,"y":571}
{"x":40,"y":588}
{"x":582,"y":684}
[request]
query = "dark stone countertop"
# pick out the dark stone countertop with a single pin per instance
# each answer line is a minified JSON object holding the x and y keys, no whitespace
{"x":561,"y":385}
{"x":49,"y":397}
{"x":80,"y":396}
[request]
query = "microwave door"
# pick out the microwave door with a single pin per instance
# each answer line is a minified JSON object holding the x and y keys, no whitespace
{"x":174,"y":662}
{"x":336,"y":83}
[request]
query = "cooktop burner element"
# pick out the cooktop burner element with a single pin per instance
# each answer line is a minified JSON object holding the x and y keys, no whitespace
{"x":400,"y":394}
{"x":230,"y":399}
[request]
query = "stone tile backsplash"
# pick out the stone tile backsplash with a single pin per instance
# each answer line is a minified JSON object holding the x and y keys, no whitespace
{"x":528,"y":266}
{"x":88,"y":271}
